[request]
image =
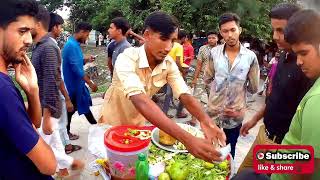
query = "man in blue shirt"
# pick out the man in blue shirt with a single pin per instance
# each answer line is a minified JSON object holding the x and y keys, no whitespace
{"x":75,"y":77}
{"x":22,"y":149}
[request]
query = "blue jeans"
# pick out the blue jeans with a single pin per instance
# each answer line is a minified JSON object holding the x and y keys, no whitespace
{"x":232,"y":137}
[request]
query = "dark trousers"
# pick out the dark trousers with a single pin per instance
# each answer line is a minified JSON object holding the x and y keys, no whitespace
{"x":232,"y":138}
{"x":88,"y":115}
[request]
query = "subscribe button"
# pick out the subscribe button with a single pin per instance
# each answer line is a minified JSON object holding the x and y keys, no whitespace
{"x":283,"y":159}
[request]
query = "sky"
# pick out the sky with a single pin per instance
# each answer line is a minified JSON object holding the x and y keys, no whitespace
{"x":64,"y":13}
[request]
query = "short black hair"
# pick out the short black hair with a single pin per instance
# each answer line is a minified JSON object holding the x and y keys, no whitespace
{"x":43,"y":16}
{"x":10,"y":10}
{"x":121,"y":23}
{"x":55,"y":19}
{"x":212,"y":33}
{"x":228,"y":17}
{"x":161,"y":22}
{"x":284,"y":11}
{"x":304,"y":26}
{"x":182,"y":34}
{"x":83,"y":26}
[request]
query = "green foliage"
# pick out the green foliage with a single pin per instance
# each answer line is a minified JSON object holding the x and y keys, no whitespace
{"x":193,"y":15}
{"x":52,"y":4}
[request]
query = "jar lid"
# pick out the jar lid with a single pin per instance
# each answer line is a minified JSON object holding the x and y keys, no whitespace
{"x":121,"y":138}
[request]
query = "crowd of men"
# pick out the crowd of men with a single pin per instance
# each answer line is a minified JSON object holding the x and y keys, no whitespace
{"x":35,"y":138}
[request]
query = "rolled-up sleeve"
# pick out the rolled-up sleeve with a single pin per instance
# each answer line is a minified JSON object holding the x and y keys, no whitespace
{"x":176,"y":81}
{"x":125,"y":68}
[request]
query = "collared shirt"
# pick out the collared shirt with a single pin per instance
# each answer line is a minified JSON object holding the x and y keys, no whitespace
{"x":132,"y":76}
{"x":289,"y":85}
{"x":73,"y":73}
{"x":60,"y":58}
{"x":230,"y":83}
{"x":304,"y":127}
{"x":203,"y":56}
{"x":119,"y":48}
{"x":45,"y":59}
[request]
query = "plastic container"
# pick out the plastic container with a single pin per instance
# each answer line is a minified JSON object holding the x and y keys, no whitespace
{"x":142,"y":167}
{"x":122,"y":151}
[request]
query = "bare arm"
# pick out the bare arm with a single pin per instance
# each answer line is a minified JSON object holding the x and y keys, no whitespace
{"x":34,"y":108}
{"x":91,"y":84}
{"x":179,"y":63}
{"x":198,"y":147}
{"x":259,"y":115}
{"x":254,"y":76}
{"x":155,"y":116}
{"x":197,"y":72}
{"x":209,"y":71}
{"x":65,"y":94}
{"x":255,"y":119}
{"x":46,"y":165}
{"x":26,"y":77}
{"x":110,"y":64}
{"x":194,"y":107}
{"x":64,"y":91}
{"x":210,"y":129}
{"x":138,"y":37}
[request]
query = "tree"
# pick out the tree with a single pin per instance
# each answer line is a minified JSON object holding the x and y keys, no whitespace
{"x":52,"y":5}
{"x":193,"y":15}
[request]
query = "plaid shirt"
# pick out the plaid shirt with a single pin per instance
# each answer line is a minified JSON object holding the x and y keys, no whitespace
{"x":45,"y":59}
{"x":229,"y":83}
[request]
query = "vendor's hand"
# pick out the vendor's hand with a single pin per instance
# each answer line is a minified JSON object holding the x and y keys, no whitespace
{"x":247,"y":126}
{"x":203,"y":149}
{"x":26,"y":76}
{"x":93,"y":87}
{"x":213,"y":133}
{"x":232,"y":113}
{"x":69,"y":105}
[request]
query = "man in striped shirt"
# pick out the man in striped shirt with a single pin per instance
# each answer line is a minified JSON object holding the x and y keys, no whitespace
{"x":45,"y":58}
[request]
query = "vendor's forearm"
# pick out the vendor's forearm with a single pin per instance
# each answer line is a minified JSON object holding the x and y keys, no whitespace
{"x":193,"y":106}
{"x":155,"y":116}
